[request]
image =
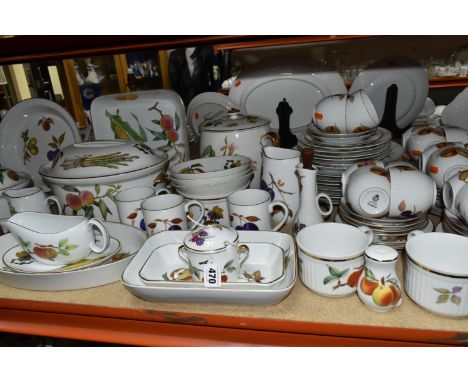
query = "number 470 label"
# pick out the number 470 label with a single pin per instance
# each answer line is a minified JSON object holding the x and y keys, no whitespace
{"x":212,"y":276}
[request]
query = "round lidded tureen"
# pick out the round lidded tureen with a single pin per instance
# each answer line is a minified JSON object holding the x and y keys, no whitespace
{"x":211,"y":238}
{"x":10,"y":179}
{"x":234,"y":120}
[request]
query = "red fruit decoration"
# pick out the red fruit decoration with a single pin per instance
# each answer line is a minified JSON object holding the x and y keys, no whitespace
{"x":172,"y":135}
{"x":45,"y":252}
{"x":353,"y":278}
{"x":74,"y":202}
{"x":86,"y":197}
{"x":166,"y":122}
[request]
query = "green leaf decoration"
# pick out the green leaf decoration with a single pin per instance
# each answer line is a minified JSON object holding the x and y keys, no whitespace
{"x":63,"y":242}
{"x":39,"y":122}
{"x":177,"y":121}
{"x":442,"y":290}
{"x":89,"y":212}
{"x":72,"y":246}
{"x":166,"y":148}
{"x":103,"y":209}
{"x":97,"y":189}
{"x":61,"y":138}
{"x":155,"y":121}
{"x":208,"y":152}
{"x":455,"y":299}
{"x":64,"y":252}
{"x":165,"y":277}
{"x":329,"y":278}
{"x":181,"y":145}
{"x":342,"y":273}
{"x":228,"y":264}
{"x":442,"y":298}
{"x":393,"y":281}
{"x":143,"y":136}
{"x":370,"y":275}
{"x":231,"y":269}
{"x":70,"y":189}
{"x":53,"y":145}
{"x":173,"y":158}
{"x":158,"y":135}
{"x":333,"y":271}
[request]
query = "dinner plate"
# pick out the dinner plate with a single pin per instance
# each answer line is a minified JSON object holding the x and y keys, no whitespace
{"x":31,"y":134}
{"x":410,"y":78}
{"x":456,"y":112}
{"x":206,"y":106}
{"x":260,"y":92}
{"x":19,"y":260}
{"x":135,"y":285}
{"x":105,"y":273}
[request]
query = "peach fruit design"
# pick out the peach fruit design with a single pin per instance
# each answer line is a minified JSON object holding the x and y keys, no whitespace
{"x":384,"y":292}
{"x":49,"y":252}
{"x":336,"y":274}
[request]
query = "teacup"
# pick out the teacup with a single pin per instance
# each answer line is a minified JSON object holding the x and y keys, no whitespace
{"x":412,"y":192}
{"x":129,"y":205}
{"x":452,"y":187}
{"x":422,"y":138}
{"x":250,"y":210}
{"x":167,"y":213}
{"x":57,"y":239}
{"x":31,"y":199}
{"x":360,"y":113}
{"x":330,"y":114}
{"x":431,"y":149}
{"x":368,"y":191}
{"x":455,"y":134}
{"x":446,"y":162}
{"x":365,"y":163}
{"x":332,"y":257}
{"x":461,"y":204}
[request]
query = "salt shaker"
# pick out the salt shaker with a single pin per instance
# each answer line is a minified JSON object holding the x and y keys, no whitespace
{"x":378,"y":286}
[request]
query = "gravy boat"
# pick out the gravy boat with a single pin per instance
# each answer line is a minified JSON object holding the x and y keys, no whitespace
{"x":56,"y":239}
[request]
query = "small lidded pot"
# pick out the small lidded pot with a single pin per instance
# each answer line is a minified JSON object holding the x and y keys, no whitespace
{"x":378,"y":287}
{"x":214,"y":245}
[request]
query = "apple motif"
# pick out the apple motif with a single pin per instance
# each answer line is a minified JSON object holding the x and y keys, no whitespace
{"x":383,"y":295}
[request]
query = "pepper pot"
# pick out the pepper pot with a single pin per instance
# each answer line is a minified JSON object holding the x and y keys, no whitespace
{"x":378,"y":286}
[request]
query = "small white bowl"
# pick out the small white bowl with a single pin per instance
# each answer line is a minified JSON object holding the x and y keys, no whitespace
{"x":360,"y":113}
{"x":446,"y":162}
{"x":330,"y":114}
{"x":209,"y":181}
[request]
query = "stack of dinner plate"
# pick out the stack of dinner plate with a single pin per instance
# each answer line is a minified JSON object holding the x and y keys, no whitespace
{"x":387,"y":231}
{"x":438,"y":207}
{"x":452,"y":224}
{"x":334,"y":153}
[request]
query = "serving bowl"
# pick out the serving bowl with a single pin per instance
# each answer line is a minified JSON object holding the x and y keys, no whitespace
{"x":209,"y":181}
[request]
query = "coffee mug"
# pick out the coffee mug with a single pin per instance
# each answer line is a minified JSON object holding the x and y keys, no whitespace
{"x":31,"y":199}
{"x":216,"y":211}
{"x":251,"y":210}
{"x":168,"y":213}
{"x":129,"y":205}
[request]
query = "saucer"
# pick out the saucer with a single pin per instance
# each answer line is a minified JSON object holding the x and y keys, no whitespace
{"x":18,"y":260}
{"x":264,"y":267}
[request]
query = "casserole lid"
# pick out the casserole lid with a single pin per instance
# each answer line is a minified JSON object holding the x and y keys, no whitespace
{"x":234,"y":120}
{"x":102,"y":158}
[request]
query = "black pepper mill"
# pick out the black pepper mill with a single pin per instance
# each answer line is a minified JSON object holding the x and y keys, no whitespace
{"x":287,"y":139}
{"x":389,"y":115}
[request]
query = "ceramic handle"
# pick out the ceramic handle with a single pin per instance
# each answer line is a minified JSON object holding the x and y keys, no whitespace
{"x":414,"y":233}
{"x":368,"y":232}
{"x":105,"y":236}
{"x":330,"y":204}
{"x":272,"y":136}
{"x":243,"y":251}
{"x":344,"y":182}
{"x":183,"y":255}
{"x":162,"y":191}
{"x":56,"y":201}
{"x":284,"y":207}
{"x":187,"y":210}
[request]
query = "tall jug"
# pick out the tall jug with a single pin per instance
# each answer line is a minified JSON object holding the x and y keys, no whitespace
{"x":279,"y":179}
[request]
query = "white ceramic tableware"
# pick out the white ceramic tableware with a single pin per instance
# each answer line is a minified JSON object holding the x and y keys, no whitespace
{"x":331,"y":257}
{"x":168,"y":212}
{"x":429,"y":150}
{"x":12,"y":180}
{"x":412,"y":191}
{"x":209,"y":181}
{"x":88,"y":175}
{"x":129,"y":205}
{"x":456,"y":112}
{"x":214,"y":245}
{"x":455,"y":134}
{"x":368,"y":191}
{"x":215,"y":211}
{"x":263,"y":269}
{"x":422,"y":138}
{"x":153,"y":117}
{"x":237,"y":134}
{"x":250,"y":210}
{"x":31,"y":199}
{"x":32,"y":133}
{"x":461,"y":204}
{"x":330,"y":114}
{"x":451,"y":188}
{"x":194,"y":293}
{"x":56,"y":239}
{"x":428,"y":109}
{"x":365,"y":163}
{"x":436,"y":274}
{"x":446,"y":162}
{"x":105,"y":273}
{"x":360,"y":113}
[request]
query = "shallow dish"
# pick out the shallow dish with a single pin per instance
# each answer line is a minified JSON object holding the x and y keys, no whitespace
{"x":132,"y":281}
{"x":210,"y":181}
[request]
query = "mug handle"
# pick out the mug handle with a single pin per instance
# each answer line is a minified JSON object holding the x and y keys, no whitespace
{"x":368,"y":232}
{"x":183,"y":254}
{"x":272,"y":136}
{"x":243,"y":251}
{"x":187,"y":210}
{"x":330,"y":204}
{"x":414,"y":233}
{"x":56,"y":201}
{"x":162,"y":191}
{"x":284,"y":207}
{"x":105,"y":236}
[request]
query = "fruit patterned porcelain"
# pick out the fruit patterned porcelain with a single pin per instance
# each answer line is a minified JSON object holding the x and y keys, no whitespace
{"x":446,"y":162}
{"x":330,"y":114}
{"x":368,"y":191}
{"x":429,"y":150}
{"x":31,"y":199}
{"x":168,"y":212}
{"x":461,"y":204}
{"x":237,"y":134}
{"x":12,"y":180}
{"x":129,"y":205}
{"x":451,"y":188}
{"x":331,"y":257}
{"x":55,"y":239}
{"x":360,"y":113}
{"x":215,"y":212}
{"x":455,"y":134}
{"x":365,"y":163}
{"x":421,"y":138}
{"x":378,"y":286}
{"x":411,"y":191}
{"x":32,"y":134}
{"x":155,"y":118}
{"x":436,"y":272}
{"x":217,"y":245}
{"x":250,"y":210}
{"x":88,"y":176}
